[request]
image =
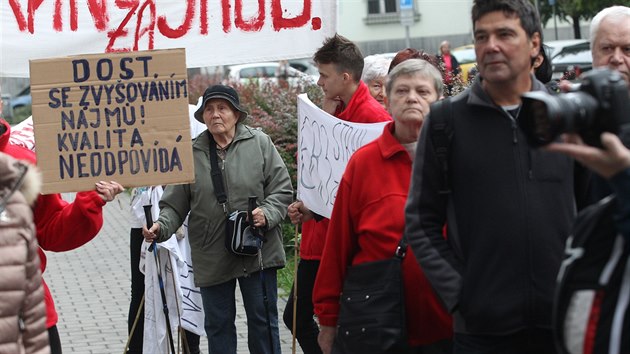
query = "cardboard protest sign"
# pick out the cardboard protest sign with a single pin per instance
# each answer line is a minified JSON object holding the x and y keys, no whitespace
{"x":120,"y":117}
{"x":325,"y":144}
{"x":213,"y":32}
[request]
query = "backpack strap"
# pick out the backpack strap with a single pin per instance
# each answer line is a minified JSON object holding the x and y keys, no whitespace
{"x":441,"y":125}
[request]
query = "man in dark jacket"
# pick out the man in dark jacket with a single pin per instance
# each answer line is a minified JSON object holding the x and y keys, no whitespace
{"x":509,"y":208}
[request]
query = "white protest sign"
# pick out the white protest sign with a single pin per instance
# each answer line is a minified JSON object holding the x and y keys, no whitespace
{"x":325,"y":144}
{"x":182,"y":297}
{"x":213,"y":32}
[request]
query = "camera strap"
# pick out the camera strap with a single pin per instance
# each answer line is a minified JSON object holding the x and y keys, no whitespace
{"x":441,"y":125}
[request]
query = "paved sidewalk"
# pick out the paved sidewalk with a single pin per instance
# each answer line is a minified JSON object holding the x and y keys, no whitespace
{"x":91,"y":288}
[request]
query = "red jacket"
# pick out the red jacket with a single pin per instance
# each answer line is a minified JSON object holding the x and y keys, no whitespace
{"x":60,"y":226}
{"x":367,"y":222}
{"x":362,"y":108}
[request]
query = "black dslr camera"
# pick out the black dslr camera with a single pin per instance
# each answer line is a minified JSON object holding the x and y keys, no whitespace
{"x":600,"y":104}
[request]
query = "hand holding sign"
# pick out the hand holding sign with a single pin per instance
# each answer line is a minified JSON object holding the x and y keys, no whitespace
{"x":108,"y":190}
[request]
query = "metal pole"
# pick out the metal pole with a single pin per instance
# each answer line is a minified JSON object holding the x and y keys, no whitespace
{"x":555,"y":24}
{"x":407,"y":39}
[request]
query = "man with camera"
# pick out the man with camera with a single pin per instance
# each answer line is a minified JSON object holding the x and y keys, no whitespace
{"x":610,"y":47}
{"x":508,"y":208}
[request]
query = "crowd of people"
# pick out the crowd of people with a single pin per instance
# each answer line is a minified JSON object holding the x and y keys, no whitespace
{"x":485,"y":215}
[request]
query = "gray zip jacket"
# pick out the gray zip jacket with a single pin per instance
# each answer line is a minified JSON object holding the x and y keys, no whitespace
{"x":252,"y":166}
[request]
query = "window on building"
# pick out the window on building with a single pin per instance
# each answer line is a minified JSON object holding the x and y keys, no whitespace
{"x":385,"y":11}
{"x":382,"y":6}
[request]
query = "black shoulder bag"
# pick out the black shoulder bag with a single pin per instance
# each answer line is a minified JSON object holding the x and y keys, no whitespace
{"x":591,"y":312}
{"x":240,"y":238}
{"x":372,"y":307}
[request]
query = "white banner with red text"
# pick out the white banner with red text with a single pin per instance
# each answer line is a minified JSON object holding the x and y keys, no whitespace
{"x":213,"y":32}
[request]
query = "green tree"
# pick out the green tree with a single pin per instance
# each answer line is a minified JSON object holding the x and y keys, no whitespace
{"x":572,"y":11}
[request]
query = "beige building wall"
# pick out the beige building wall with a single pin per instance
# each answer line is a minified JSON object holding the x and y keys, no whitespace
{"x":435,"y":21}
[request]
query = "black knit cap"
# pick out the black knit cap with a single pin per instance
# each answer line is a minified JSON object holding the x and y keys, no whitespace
{"x":225,"y":92}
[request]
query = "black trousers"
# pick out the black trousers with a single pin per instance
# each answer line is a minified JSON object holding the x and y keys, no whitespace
{"x":137,"y":291}
{"x":55,"y":341}
{"x":528,"y":341}
{"x":307,"y":329}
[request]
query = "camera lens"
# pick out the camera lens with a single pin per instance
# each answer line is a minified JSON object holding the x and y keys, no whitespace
{"x":544,"y":117}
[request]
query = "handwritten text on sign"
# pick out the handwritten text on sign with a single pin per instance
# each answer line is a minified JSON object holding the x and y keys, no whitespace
{"x":238,"y":30}
{"x":325,"y":144}
{"x":117,"y":117}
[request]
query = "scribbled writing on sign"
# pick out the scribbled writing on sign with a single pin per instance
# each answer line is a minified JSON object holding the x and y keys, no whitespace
{"x":118,"y":116}
{"x":325,"y":144}
{"x":330,"y":148}
{"x":316,"y":161}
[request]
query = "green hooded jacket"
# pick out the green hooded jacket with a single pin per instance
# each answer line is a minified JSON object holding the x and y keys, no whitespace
{"x":252,"y":167}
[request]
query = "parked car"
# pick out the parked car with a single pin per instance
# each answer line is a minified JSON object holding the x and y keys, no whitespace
{"x":466,"y":58}
{"x":16,"y":108}
{"x":22,"y":99}
{"x":6,"y":106}
{"x":572,"y":61}
{"x":266,"y":73}
{"x":307,"y":66}
{"x":556,"y":47}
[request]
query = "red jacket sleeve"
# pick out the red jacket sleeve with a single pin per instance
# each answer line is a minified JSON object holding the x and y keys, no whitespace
{"x":63,"y":226}
{"x":339,"y":249}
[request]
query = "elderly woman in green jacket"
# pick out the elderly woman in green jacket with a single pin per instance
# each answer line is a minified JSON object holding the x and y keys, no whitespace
{"x":250,"y":166}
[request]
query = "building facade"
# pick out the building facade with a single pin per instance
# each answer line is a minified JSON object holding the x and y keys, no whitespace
{"x":375,"y":25}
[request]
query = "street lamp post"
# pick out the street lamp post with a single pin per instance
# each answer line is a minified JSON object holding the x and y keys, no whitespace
{"x":552,"y":3}
{"x":406,"y":18}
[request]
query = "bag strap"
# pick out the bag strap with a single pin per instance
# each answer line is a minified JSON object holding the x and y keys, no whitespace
{"x":441,"y":124}
{"x":217,"y":177}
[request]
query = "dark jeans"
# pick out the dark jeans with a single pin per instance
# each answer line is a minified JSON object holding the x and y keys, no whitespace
{"x":53,"y":338}
{"x":529,"y":341}
{"x":307,"y":329}
{"x":219,"y":305}
{"x":441,"y":347}
{"x":137,"y":291}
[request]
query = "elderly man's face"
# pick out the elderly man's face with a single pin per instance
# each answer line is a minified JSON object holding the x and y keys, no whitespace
{"x":611,"y":46}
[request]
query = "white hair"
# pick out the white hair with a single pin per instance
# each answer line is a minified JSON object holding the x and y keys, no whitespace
{"x":374,"y":67}
{"x":613,"y":12}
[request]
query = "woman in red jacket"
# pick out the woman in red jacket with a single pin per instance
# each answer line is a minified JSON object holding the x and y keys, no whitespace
{"x":61,"y":226}
{"x":368,"y":217}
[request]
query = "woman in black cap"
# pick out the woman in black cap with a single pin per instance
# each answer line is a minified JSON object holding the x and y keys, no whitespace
{"x":249,"y":166}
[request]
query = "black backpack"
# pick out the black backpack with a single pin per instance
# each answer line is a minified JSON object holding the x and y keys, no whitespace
{"x":591,"y":309}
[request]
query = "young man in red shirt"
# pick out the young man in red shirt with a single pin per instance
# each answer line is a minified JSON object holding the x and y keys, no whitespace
{"x":340,"y":65}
